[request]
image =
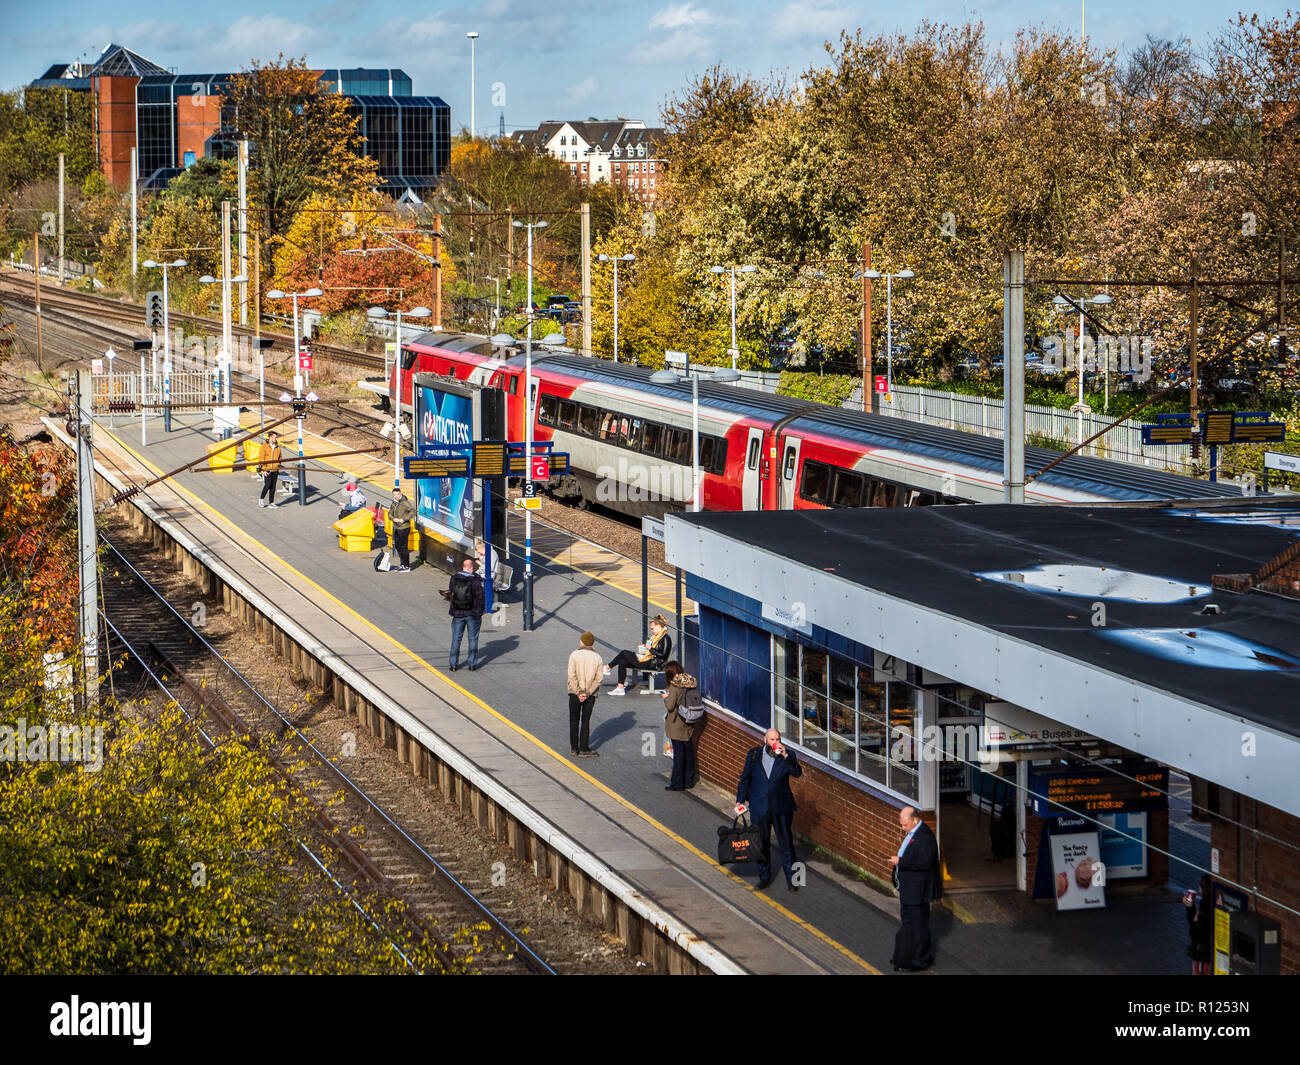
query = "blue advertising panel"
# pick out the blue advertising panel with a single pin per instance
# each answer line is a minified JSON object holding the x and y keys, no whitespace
{"x":444,"y":504}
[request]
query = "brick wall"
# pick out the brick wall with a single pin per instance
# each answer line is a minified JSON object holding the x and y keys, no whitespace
{"x":851,"y":821}
{"x":1263,"y":856}
{"x":197,"y":118}
{"x":115,"y":101}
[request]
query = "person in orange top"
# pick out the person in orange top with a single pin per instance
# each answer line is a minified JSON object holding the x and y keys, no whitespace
{"x":269,"y":467}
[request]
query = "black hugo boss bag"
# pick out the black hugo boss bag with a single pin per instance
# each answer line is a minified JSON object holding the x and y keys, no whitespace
{"x":739,"y":843}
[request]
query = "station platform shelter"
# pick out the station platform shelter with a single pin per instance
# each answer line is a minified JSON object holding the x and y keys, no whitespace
{"x":1015,"y":673}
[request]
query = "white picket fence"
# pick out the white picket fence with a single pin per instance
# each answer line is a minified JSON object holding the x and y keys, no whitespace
{"x":983,"y":414}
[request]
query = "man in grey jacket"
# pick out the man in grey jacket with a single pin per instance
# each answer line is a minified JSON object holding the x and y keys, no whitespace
{"x":586,"y":670}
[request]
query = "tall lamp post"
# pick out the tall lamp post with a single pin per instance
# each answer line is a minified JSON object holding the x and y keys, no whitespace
{"x":528,"y":429}
{"x":414,"y":312}
{"x":167,"y":343}
{"x":875,"y":275}
{"x":473,"y":36}
{"x":224,"y":358}
{"x":667,"y":377}
{"x":276,"y":294}
{"x":733,"y":270}
{"x":616,"y":259}
{"x":1063,"y":304}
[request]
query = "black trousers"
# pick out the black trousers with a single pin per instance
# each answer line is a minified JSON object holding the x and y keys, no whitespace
{"x":268,"y":486}
{"x":912,"y":944}
{"x":781,"y":824}
{"x":683,"y":765}
{"x":626,"y":660}
{"x":580,"y":722}
{"x":402,"y":544}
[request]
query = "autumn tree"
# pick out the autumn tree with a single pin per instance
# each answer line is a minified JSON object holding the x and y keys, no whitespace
{"x":303,"y":138}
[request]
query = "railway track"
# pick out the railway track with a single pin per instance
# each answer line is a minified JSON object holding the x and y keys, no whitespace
{"x":85,"y":304}
{"x":352,"y":803}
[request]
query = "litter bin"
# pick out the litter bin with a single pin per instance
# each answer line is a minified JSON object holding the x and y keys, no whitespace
{"x":252,"y":451}
{"x":413,"y":540}
{"x":356,"y":530}
{"x":221,"y":456}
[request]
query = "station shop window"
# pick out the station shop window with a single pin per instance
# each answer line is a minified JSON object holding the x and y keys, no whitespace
{"x":837,"y":712}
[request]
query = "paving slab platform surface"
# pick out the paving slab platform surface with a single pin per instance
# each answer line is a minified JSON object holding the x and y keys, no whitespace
{"x":510,"y":717}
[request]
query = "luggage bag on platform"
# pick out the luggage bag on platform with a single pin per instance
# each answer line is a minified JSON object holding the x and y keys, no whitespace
{"x":739,"y":843}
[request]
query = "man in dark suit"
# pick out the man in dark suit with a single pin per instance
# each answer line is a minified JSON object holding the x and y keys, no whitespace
{"x":916,"y":875}
{"x":765,"y":785}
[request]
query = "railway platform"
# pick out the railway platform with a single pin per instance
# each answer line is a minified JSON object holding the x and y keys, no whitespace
{"x":509,"y":719}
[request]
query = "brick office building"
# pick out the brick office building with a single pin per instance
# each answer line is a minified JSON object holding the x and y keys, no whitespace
{"x":173,"y":120}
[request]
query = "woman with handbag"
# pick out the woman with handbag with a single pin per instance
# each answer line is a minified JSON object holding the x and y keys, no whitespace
{"x":683,"y":709}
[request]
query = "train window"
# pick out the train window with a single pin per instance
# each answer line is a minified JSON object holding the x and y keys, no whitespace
{"x":706,"y":453}
{"x":632,"y":432}
{"x":653,"y":439}
{"x":719,"y":454}
{"x":751,"y":460}
{"x":548,"y":409}
{"x":408,"y":358}
{"x":609,"y":427}
{"x":588,"y":419}
{"x":677,"y":446}
{"x":816,"y":484}
{"x":848,"y":489}
{"x":514,"y":384}
{"x":568,"y":414}
{"x":788,"y":469}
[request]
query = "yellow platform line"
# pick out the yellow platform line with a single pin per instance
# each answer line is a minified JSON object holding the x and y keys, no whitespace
{"x":266,"y":552}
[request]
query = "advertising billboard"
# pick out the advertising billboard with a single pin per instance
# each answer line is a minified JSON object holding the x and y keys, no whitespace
{"x":445,"y":505}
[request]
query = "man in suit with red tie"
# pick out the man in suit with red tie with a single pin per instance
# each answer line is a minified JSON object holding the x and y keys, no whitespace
{"x":765,"y":784}
{"x":916,"y":875}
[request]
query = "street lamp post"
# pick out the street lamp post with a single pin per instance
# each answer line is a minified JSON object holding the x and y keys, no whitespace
{"x":276,"y":294}
{"x":473,"y":36}
{"x":616,"y":259}
{"x":167,"y":344}
{"x":733,"y":270}
{"x":414,"y":312}
{"x":889,"y":322}
{"x":1064,"y":303}
{"x":528,"y":429}
{"x":667,"y":377}
{"x":224,"y":360}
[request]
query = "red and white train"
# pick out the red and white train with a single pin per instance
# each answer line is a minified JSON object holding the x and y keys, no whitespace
{"x":629,"y":442}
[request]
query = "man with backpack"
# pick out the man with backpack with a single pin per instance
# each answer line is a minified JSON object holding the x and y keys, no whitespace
{"x":684,"y":707}
{"x":465,"y":594}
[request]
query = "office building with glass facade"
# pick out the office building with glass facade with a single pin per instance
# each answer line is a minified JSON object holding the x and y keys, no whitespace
{"x":173,"y":120}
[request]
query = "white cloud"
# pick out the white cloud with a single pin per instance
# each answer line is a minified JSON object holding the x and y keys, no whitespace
{"x":431,"y":30}
{"x":679,"y":46}
{"x":258,"y":36}
{"x":584,"y":90}
{"x":681,"y":16}
{"x":802,"y":19}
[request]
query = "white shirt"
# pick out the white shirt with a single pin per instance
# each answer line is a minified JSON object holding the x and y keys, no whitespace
{"x":908,"y":839}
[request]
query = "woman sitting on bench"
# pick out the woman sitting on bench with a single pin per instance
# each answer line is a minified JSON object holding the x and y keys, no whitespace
{"x":650,"y":655}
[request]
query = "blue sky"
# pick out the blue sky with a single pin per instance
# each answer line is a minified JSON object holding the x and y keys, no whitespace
{"x":559,"y":59}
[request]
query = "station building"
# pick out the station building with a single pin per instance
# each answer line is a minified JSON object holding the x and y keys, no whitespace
{"x":1008,"y":669}
{"x":173,"y":120}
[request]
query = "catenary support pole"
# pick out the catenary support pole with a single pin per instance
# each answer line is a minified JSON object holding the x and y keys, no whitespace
{"x":586,"y":279}
{"x":87,"y":544}
{"x":62,"y":265}
{"x":1013,"y":376}
{"x":243,"y":233}
{"x":135,"y":196}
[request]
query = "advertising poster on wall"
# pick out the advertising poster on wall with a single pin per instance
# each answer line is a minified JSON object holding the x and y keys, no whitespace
{"x":1077,"y":871}
{"x":1123,"y":845}
{"x":445,"y":505}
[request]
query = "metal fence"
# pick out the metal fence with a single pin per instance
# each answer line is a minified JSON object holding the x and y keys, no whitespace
{"x":129,"y":385}
{"x":1049,"y":426}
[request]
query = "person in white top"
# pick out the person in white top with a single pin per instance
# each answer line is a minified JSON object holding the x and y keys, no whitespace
{"x":480,"y":568}
{"x":353,"y":499}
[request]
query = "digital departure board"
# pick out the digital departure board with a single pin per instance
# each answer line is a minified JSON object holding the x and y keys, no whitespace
{"x":1101,"y":789}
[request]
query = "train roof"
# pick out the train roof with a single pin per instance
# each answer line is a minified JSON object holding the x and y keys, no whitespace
{"x":466,"y":343}
{"x":1116,"y":480}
